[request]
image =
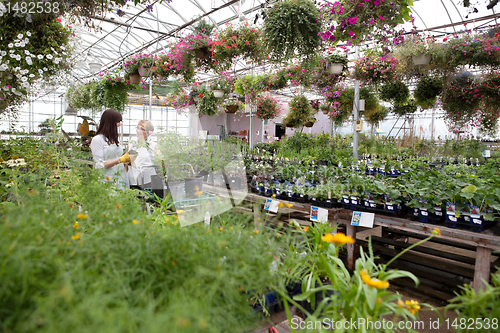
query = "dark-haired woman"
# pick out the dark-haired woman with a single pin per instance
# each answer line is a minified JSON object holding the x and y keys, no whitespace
{"x":107,"y":151}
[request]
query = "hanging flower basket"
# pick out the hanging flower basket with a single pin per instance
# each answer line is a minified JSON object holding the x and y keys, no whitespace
{"x":422,"y":59}
{"x":218,"y":93}
{"x":309,"y":124}
{"x":336,"y":68}
{"x":203,"y":53}
{"x":144,"y":72}
{"x":135,"y":78}
{"x":231,"y":108}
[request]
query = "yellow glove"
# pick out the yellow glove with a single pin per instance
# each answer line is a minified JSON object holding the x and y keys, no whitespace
{"x":125,"y":158}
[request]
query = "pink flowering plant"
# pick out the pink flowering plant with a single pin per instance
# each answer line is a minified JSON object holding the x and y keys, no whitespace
{"x":460,"y":100}
{"x":225,"y":83}
{"x":111,"y":91}
{"x":474,"y":50}
{"x":233,"y":42}
{"x":134,"y":63}
{"x":374,"y":69}
{"x":356,"y":21}
{"x":179,"y":100}
{"x":268,"y":107}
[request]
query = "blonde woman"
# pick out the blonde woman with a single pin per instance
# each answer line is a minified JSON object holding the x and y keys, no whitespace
{"x":142,"y":153}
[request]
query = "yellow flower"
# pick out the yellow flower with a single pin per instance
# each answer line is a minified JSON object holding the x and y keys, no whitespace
{"x":289,"y":205}
{"x":180,"y":211}
{"x":135,"y":221}
{"x":198,"y":193}
{"x":76,"y":225}
{"x":401,"y":304}
{"x":306,"y":228}
{"x":274,"y":195}
{"x":256,"y":231}
{"x":75,"y":237}
{"x":373,"y":282}
{"x":221,"y":229}
{"x":338,"y":238}
{"x":31,"y":191}
{"x":118,"y":206}
{"x":81,"y":216}
{"x":436,"y":232}
{"x":412,"y":306}
{"x":280,"y":205}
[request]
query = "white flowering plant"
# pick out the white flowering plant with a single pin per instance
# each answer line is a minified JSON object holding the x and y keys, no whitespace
{"x":29,"y":53}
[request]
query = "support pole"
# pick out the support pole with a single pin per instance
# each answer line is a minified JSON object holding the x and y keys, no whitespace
{"x":150,"y":99}
{"x":355,"y":113}
{"x":250,"y":132}
{"x":432,"y":125}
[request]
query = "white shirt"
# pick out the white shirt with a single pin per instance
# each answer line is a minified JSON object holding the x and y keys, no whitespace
{"x":142,"y":163}
{"x":102,"y":151}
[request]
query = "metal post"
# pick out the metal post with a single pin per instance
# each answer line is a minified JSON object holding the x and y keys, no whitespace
{"x":432,"y":125}
{"x":355,"y":115}
{"x":150,"y":99}
{"x":262,"y":134}
{"x":250,"y":132}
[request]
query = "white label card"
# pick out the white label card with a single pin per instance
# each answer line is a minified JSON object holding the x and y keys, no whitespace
{"x":271,"y":205}
{"x":363,"y":219}
{"x":319,"y":214}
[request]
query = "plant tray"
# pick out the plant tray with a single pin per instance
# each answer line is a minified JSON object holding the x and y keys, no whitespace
{"x":204,"y":198}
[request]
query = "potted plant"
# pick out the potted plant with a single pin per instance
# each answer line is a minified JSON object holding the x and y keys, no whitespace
{"x":292,"y":28}
{"x":337,"y":63}
{"x":325,"y":108}
{"x":428,"y":88}
{"x":396,"y":92}
{"x":139,"y":65}
{"x":490,"y":102}
{"x":268,"y":107}
{"x":248,"y":86}
{"x":233,"y":105}
{"x":473,"y":50}
{"x":179,"y":99}
{"x":241,"y":41}
{"x":374,"y":69}
{"x":111,"y":92}
{"x":300,"y":112}
{"x":355,"y":22}
{"x":404,"y":108}
{"x":208,"y":104}
{"x":460,"y":99}
{"x":222,"y":85}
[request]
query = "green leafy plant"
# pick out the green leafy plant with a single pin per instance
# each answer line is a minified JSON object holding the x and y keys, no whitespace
{"x":291,"y":27}
{"x":134,"y":63}
{"x":428,"y":88}
{"x":208,"y":104}
{"x":396,"y":92}
{"x":300,"y":112}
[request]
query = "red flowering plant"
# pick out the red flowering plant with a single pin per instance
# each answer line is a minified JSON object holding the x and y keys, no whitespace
{"x":461,"y":100}
{"x":356,"y":21}
{"x":232,"y":42}
{"x":300,"y":112}
{"x":373,"y":69}
{"x":174,"y":64}
{"x":268,"y":107}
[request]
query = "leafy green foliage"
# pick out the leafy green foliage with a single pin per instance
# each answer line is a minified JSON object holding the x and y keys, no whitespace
{"x":428,"y":88}
{"x":291,"y":27}
{"x":396,"y":92}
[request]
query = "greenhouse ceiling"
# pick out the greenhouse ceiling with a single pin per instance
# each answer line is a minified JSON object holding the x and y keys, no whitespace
{"x":149,"y":27}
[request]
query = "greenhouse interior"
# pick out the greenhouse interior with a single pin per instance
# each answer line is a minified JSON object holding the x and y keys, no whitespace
{"x":249,"y":166}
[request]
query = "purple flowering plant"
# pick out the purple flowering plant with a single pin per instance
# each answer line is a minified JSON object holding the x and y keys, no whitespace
{"x":137,"y":61}
{"x":373,"y":69}
{"x":356,"y":21}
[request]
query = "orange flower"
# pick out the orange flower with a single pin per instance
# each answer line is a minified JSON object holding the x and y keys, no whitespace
{"x":373,"y":282}
{"x":412,"y":306}
{"x":436,"y":232}
{"x":306,"y":228}
{"x":339,"y":238}
{"x":256,"y":231}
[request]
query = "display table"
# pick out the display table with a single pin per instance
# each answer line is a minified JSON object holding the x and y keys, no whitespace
{"x":483,"y":243}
